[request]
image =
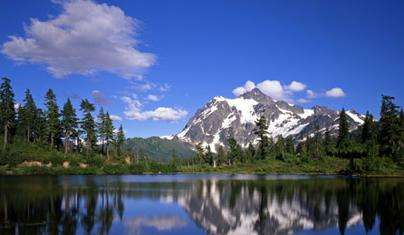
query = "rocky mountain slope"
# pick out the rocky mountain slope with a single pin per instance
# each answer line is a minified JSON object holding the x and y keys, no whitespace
{"x":222,"y":118}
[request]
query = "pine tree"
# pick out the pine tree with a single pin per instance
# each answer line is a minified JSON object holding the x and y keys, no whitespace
{"x":401,"y":142}
{"x":261,"y":132}
{"x":317,"y":150}
{"x":120,"y":140}
{"x":369,"y":141}
{"x":108,"y":133}
{"x":343,"y":134}
{"x":88,"y":124}
{"x":200,"y":153}
{"x":328,"y":143}
{"x":221,"y":155}
{"x":7,"y":110}
{"x":174,"y":159}
{"x":40,"y":127}
{"x":69,"y":123}
{"x":27,"y":115}
{"x":101,"y":128}
{"x":250,"y":153}
{"x":52,"y":117}
{"x":209,"y":155}
{"x":389,"y":128}
{"x":235,"y":151}
{"x":280,"y":148}
{"x":289,"y":145}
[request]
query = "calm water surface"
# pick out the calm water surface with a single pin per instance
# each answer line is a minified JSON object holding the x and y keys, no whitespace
{"x":200,"y":204}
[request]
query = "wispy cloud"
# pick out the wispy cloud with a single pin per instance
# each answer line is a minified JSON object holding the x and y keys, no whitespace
{"x":84,"y":39}
{"x":99,"y":98}
{"x":115,"y":117}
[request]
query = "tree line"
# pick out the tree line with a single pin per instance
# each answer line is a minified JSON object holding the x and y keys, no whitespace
{"x":60,"y":129}
{"x":372,"y":141}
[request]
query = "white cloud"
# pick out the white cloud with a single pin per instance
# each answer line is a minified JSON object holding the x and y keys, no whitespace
{"x":274,"y":89}
{"x":84,"y":39}
{"x":133,"y":111}
{"x":335,"y":92}
{"x":303,"y":101}
{"x":153,"y":98}
{"x":115,"y":117}
{"x":239,"y":91}
{"x":311,"y":94}
{"x":99,"y":98}
{"x":160,"y":223}
{"x":296,"y":86}
{"x":248,"y":86}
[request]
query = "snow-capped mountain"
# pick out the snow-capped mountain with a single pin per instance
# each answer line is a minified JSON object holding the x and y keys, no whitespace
{"x":222,"y":118}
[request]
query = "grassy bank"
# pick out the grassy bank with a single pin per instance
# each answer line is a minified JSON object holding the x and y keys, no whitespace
{"x":96,"y":165}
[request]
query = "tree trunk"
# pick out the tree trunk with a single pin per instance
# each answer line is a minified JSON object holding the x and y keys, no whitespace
{"x":5,"y":136}
{"x":214,"y":163}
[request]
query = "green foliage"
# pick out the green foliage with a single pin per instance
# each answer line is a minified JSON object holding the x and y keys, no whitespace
{"x":343,"y":143}
{"x":28,"y":115}
{"x":389,"y":135}
{"x":88,"y":125}
{"x":158,"y":149}
{"x":52,"y":117}
{"x":120,"y":140}
{"x":7,"y":111}
{"x":69,"y":123}
{"x":263,"y":140}
{"x":235,"y":153}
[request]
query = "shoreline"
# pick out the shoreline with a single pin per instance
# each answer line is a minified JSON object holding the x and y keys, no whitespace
{"x":99,"y":172}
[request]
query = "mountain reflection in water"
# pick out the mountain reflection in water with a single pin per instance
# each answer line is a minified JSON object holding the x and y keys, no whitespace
{"x":200,"y":204}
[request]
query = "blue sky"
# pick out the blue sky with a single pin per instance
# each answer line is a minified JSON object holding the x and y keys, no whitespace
{"x":154,"y":63}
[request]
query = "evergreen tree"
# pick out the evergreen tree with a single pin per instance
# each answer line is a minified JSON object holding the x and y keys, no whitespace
{"x":69,"y":123}
{"x":200,"y":153}
{"x":101,"y":128}
{"x":209,"y":155}
{"x":235,"y":151}
{"x":40,"y":127}
{"x":401,"y":142}
{"x":52,"y":117}
{"x":221,"y":155}
{"x":174,"y":159}
{"x":7,"y":110}
{"x":280,"y":148}
{"x":328,"y":143}
{"x":261,"y":132}
{"x":369,"y":141}
{"x":27,"y":115}
{"x":343,"y":134}
{"x":289,"y":145}
{"x":120,"y":140}
{"x":389,"y":128}
{"x":368,"y":128}
{"x":88,"y":124}
{"x":108,"y":133}
{"x":250,"y":153}
{"x":317,"y":149}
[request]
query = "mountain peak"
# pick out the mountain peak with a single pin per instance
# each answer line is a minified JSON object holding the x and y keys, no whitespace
{"x":257,"y":95}
{"x":223,"y":118}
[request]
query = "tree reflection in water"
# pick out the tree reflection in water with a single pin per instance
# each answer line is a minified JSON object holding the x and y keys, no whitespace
{"x":94,"y":204}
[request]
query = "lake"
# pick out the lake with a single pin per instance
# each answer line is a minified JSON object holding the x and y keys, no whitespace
{"x":201,"y":204}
